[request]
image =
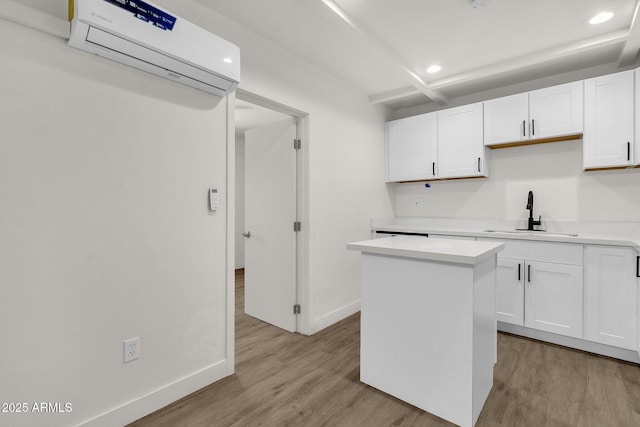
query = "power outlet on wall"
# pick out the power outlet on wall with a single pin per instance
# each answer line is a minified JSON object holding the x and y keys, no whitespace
{"x":419,"y":203}
{"x":131,"y":349}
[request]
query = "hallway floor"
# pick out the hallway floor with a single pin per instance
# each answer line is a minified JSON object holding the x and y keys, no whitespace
{"x":285,"y":379}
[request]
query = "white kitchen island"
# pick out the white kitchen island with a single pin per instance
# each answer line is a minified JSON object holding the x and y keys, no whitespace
{"x":428,"y":325}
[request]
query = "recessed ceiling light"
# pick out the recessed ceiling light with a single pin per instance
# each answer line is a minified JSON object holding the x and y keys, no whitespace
{"x":434,"y":69}
{"x":601,"y":17}
{"x":228,"y":60}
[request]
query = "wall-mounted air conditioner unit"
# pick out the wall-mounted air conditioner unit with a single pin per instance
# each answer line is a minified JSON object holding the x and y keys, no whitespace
{"x":144,"y":36}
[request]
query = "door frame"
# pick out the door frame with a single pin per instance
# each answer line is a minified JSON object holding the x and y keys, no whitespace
{"x":302,"y":211}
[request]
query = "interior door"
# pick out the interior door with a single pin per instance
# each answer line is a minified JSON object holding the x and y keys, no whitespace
{"x":270,"y":213}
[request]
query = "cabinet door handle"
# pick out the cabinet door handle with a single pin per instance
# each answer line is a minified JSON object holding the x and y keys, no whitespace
{"x":638,"y":266}
{"x":529,"y":273}
{"x":478,"y":164}
{"x":628,"y":151}
{"x":434,"y":168}
{"x":520,"y":265}
{"x":533,"y":127}
{"x":524,"y":126}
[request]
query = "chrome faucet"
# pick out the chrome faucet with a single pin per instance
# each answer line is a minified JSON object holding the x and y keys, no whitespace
{"x":532,"y":221}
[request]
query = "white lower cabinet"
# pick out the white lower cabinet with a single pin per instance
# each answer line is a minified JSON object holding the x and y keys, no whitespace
{"x":510,"y":291}
{"x":539,"y":286}
{"x":540,"y":295}
{"x":553,"y":298}
{"x":611,"y":300}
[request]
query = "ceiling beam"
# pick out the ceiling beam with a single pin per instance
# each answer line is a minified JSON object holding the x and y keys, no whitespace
{"x":393,"y":95}
{"x":389,"y":55}
{"x":630,"y":50}
{"x":533,"y":59}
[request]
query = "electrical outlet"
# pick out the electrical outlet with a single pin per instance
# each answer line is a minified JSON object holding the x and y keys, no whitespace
{"x":131,"y":349}
{"x":419,"y":203}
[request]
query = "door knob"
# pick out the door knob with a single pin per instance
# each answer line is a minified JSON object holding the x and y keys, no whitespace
{"x":246,"y":234}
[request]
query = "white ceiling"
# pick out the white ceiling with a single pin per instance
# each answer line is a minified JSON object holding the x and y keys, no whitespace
{"x":384,"y":46}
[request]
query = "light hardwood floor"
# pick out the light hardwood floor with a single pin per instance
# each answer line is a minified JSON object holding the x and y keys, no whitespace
{"x":285,"y":379}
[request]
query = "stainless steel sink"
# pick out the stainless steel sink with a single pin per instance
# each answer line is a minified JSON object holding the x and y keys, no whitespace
{"x":532,"y":232}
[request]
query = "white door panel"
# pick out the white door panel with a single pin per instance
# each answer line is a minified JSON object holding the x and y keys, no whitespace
{"x":270,"y":211}
{"x":506,"y":119}
{"x":609,"y":126}
{"x":554,"y":298}
{"x":412,"y":148}
{"x":460,"y":142}
{"x":610,"y":286}
{"x":556,"y":110}
{"x":510,"y":291}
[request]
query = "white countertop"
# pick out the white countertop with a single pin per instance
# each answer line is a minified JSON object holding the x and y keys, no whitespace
{"x":598,"y":234}
{"x":445,"y":250}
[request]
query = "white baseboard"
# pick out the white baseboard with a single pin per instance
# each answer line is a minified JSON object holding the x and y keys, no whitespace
{"x":584,"y":345}
{"x":157,"y":399}
{"x":335,"y":316}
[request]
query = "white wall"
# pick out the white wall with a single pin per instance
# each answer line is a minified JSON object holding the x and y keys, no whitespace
{"x":239,"y":256}
{"x":346,"y":159}
{"x":104,"y":228}
{"x":562,"y":190}
{"x":105,"y":234}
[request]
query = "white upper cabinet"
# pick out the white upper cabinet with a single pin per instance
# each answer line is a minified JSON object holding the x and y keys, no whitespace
{"x":546,"y":113}
{"x":506,"y":119}
{"x":412,"y":148}
{"x":609,"y":116}
{"x":557,"y":111}
{"x":461,"y":151}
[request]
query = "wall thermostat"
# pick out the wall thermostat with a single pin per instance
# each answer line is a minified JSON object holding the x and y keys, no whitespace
{"x":214,"y":199}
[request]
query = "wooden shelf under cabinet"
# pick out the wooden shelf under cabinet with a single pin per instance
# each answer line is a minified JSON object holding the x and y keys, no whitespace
{"x":537,"y":141}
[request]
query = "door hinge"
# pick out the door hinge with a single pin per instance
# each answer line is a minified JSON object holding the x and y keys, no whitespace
{"x":296,"y":309}
{"x":297,"y":226}
{"x":297,"y":144}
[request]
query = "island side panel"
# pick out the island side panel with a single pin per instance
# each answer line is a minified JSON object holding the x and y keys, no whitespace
{"x":417,"y":333}
{"x":484,"y":333}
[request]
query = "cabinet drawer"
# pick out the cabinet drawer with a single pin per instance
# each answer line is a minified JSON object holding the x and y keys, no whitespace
{"x":558,"y":253}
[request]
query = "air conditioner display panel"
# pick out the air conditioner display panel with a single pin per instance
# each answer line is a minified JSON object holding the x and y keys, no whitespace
{"x":146,"y":12}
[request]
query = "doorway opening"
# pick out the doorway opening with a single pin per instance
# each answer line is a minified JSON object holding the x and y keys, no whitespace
{"x":271,"y":210}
